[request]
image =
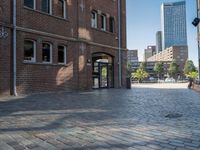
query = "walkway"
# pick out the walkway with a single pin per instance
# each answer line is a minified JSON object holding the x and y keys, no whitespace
{"x":147,"y":117}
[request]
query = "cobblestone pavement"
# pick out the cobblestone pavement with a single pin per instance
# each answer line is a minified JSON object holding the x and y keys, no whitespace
{"x":116,"y":119}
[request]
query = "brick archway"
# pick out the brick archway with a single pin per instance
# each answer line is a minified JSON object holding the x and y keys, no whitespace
{"x":102,"y":70}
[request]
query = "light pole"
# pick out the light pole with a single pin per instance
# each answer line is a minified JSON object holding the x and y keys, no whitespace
{"x":197,"y":3}
{"x":119,"y":44}
{"x":196,"y":24}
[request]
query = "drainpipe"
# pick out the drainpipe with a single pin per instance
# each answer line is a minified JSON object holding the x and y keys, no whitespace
{"x":119,"y":43}
{"x":14,"y":92}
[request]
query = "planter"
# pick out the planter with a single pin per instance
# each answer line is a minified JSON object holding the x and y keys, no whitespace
{"x":196,"y":87}
{"x":128,"y":83}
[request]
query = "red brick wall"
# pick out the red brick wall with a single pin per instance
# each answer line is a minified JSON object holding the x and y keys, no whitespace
{"x":41,"y":27}
{"x":5,"y":48}
{"x":35,"y":77}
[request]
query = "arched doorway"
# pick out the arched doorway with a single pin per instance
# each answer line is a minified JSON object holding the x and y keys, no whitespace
{"x":102,"y":71}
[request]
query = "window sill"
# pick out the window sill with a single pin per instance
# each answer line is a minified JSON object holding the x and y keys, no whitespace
{"x":45,"y":64}
{"x":29,"y":61}
{"x":47,"y":14}
{"x":104,"y":31}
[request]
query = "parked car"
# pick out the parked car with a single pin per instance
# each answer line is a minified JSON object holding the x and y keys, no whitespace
{"x":170,"y":80}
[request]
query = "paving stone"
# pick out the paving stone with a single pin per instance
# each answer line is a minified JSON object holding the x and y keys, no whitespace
{"x":103,"y":119}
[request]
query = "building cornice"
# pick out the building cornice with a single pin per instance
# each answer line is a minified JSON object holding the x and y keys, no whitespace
{"x":28,"y":30}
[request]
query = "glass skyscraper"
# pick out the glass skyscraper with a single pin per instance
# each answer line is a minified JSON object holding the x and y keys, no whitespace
{"x":173,"y":24}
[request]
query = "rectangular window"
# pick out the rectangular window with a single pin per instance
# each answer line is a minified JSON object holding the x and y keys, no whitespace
{"x":94,"y":19}
{"x":46,"y":6}
{"x":29,"y":3}
{"x":111,"y":24}
{"x":46,"y":53}
{"x":29,"y":50}
{"x":62,"y":54}
{"x":103,"y":22}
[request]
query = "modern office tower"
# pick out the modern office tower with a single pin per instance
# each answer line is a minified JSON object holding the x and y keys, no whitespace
{"x":158,"y":41}
{"x":150,"y":51}
{"x":173,"y":24}
{"x":132,"y":56}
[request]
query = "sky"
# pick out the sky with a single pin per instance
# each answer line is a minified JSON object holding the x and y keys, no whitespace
{"x":143,"y":21}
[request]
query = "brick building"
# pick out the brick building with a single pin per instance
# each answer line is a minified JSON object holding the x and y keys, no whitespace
{"x":62,"y":45}
{"x":177,"y":53}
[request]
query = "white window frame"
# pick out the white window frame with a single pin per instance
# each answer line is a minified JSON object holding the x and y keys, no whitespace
{"x":65,"y":54}
{"x":94,"y":20}
{"x":103,"y":21}
{"x":51,"y":58}
{"x":64,"y":9}
{"x":33,"y":59}
{"x":34,"y":5}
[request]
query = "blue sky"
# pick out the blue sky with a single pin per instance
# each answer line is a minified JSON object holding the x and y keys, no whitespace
{"x":143,"y":20}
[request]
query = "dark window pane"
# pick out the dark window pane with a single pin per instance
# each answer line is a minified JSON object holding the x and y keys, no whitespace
{"x":102,"y":22}
{"x":29,"y":3}
{"x":46,"y":52}
{"x":28,"y":50}
{"x":61,"y":54}
{"x":111,"y":24}
{"x":45,"y":6}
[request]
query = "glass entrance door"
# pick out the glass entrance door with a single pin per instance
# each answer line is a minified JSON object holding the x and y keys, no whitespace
{"x":102,"y":71}
{"x":103,"y":75}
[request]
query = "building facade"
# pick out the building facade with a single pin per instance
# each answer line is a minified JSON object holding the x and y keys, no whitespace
{"x":177,"y":53}
{"x":173,"y":24}
{"x":62,"y":45}
{"x":132,"y":56}
{"x":150,"y":51}
{"x":158,"y":41}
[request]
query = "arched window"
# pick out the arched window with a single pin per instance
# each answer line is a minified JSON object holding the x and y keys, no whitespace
{"x":94,"y":19}
{"x":46,"y":53}
{"x":103,"y":22}
{"x":29,"y":50}
{"x":61,"y":9}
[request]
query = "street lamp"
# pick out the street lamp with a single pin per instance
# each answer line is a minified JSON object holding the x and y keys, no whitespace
{"x":196,"y":21}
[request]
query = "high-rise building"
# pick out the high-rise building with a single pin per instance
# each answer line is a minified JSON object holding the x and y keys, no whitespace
{"x":150,"y":51}
{"x":158,"y":41}
{"x":173,"y":24}
{"x":132,"y":56}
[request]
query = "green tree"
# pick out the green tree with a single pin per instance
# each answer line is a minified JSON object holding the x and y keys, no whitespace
{"x":158,"y":68}
{"x":143,"y":66}
{"x":192,"y":75}
{"x":189,"y":67}
{"x":140,"y":75}
{"x":173,"y":69}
